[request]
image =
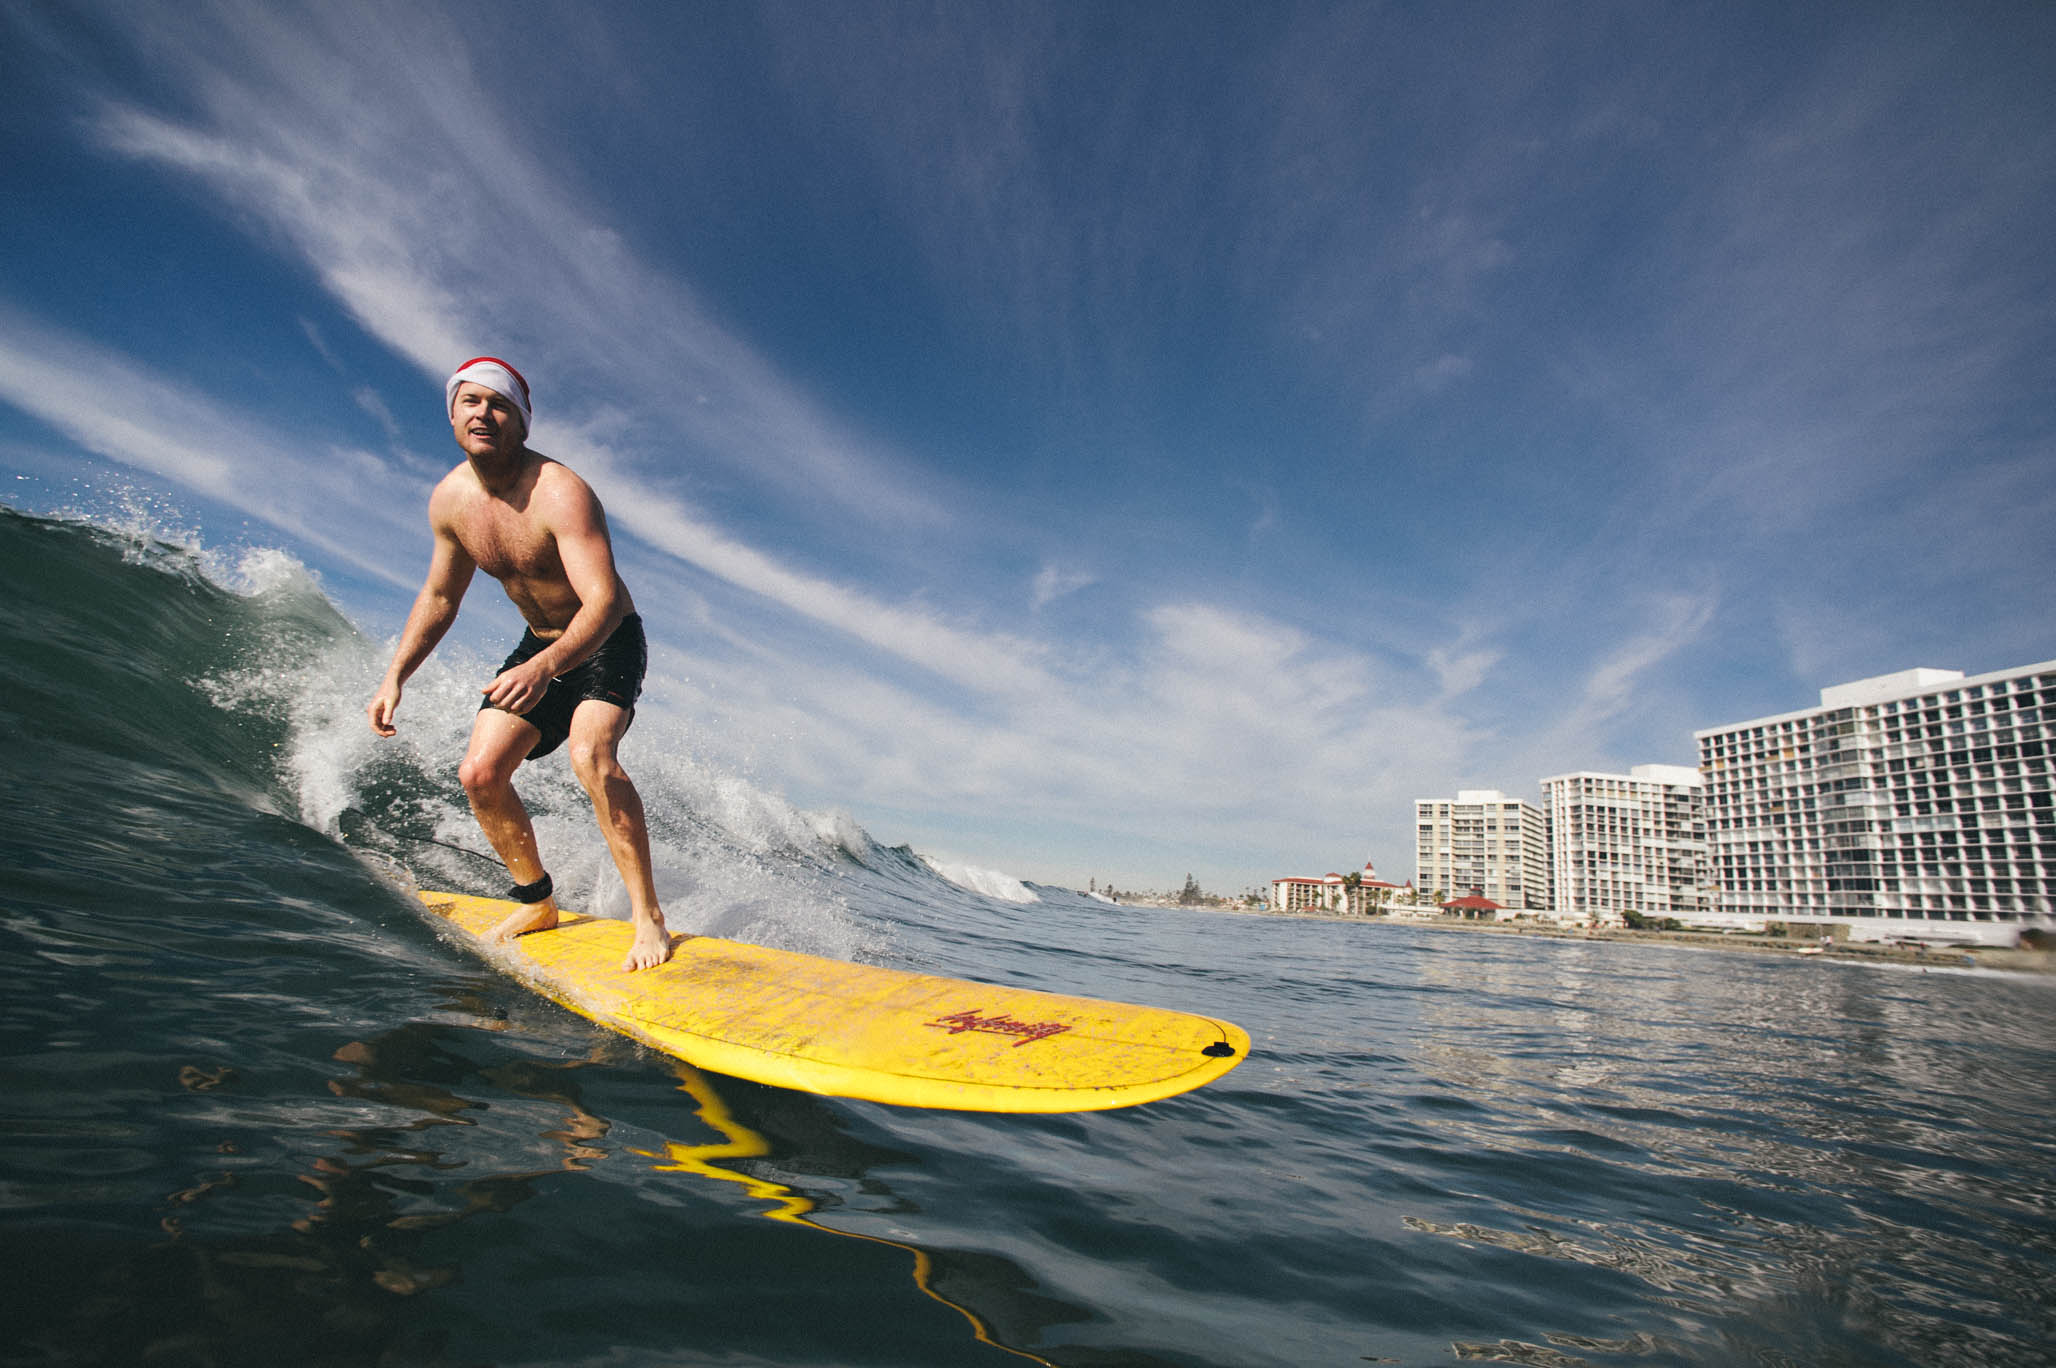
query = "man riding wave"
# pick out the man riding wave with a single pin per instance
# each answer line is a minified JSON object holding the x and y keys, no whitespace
{"x":537,"y":528}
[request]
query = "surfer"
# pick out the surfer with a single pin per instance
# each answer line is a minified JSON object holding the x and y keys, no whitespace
{"x":538,"y":529}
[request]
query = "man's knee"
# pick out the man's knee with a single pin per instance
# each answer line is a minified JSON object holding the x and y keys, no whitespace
{"x":486,"y":775}
{"x":594,"y":745}
{"x":596,"y":764}
{"x":499,"y":743}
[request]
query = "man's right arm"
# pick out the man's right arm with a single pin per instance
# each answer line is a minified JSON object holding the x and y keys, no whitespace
{"x":435,"y":608}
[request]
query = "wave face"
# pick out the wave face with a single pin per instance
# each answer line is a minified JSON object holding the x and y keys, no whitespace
{"x":255,"y":1111}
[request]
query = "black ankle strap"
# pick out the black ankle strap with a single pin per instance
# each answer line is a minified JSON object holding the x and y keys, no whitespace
{"x":531,"y":892}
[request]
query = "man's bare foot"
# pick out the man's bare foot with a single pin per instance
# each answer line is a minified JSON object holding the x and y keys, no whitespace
{"x":534,"y":917}
{"x":652,"y":945}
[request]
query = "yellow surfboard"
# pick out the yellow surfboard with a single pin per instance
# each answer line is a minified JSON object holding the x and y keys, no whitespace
{"x":858,"y":1030}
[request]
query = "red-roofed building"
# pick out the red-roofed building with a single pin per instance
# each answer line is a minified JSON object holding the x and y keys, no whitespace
{"x":1474,"y":907}
{"x":1299,"y":894}
{"x":1360,"y":896}
{"x":1374,"y":895}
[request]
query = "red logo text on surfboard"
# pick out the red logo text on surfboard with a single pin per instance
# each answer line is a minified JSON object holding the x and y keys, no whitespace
{"x":1030,"y":1031}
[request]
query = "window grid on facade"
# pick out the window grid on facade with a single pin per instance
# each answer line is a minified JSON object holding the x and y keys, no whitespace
{"x":1486,"y":843}
{"x":1920,"y":797}
{"x":1629,"y":843}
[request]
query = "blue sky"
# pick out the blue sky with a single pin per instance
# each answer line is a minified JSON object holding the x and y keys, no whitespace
{"x":1096,"y":441}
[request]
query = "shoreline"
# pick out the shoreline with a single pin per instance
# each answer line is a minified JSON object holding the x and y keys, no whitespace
{"x":1849,"y":952}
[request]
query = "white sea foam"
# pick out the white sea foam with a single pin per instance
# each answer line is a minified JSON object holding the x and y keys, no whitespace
{"x":990,"y":882}
{"x":731,"y":858}
{"x":152,"y":529}
{"x":265,"y":571}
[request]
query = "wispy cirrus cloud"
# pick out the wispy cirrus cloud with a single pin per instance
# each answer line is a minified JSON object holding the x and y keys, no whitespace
{"x":1623,"y":677}
{"x":435,"y":227}
{"x":984,"y":661}
{"x":1052,"y":583}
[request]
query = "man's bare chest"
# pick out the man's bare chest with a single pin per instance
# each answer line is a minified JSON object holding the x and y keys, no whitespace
{"x":507,"y":544}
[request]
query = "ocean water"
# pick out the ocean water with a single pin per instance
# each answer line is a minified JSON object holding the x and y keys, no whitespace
{"x":254,"y":1111}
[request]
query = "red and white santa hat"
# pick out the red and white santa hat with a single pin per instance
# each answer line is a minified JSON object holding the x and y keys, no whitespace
{"x":494,"y":374}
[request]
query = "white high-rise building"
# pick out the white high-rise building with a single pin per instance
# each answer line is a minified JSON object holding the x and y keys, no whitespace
{"x":1483,"y":842}
{"x":1916,"y":804}
{"x":1628,"y":843}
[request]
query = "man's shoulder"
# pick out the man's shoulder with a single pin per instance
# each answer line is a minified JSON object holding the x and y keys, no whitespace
{"x":562,"y":487}
{"x":451,"y":488}
{"x":555,"y":473}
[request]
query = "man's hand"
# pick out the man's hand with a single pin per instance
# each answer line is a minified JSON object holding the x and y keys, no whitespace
{"x":519,"y":689}
{"x":381,"y":708}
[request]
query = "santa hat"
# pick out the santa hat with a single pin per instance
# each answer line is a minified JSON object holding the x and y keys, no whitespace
{"x":495,"y":375}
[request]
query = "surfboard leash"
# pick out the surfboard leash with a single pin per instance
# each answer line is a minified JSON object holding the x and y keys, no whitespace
{"x":360,"y":815}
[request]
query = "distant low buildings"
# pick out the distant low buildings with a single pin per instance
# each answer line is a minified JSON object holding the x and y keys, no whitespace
{"x":1358,"y":895}
{"x":1374,"y":895}
{"x":1474,"y":908}
{"x":1301,"y":894}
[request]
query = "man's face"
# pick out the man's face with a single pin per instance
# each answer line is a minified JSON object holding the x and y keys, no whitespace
{"x":485,"y":421}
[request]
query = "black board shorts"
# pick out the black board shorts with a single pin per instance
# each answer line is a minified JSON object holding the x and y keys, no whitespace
{"x":612,"y":674}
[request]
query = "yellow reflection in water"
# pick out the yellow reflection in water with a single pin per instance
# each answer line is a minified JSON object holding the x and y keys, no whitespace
{"x":740,"y":1142}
